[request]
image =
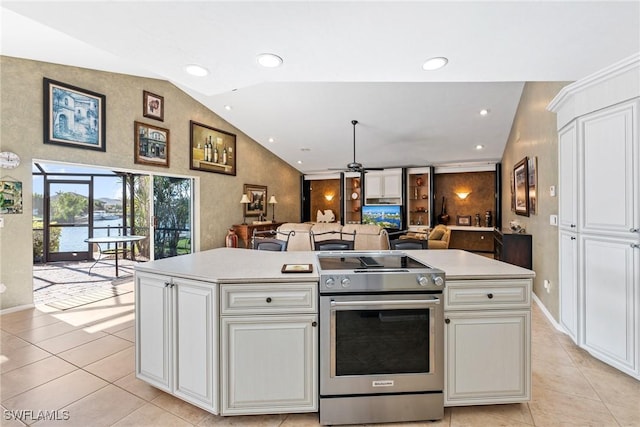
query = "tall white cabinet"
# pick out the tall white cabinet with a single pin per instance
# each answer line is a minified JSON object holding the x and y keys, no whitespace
{"x":599,"y":213}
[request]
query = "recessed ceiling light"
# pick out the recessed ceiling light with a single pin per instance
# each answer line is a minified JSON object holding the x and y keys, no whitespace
{"x":435,"y":63}
{"x":269,"y":60}
{"x":228,"y":107}
{"x":271,"y":140}
{"x":196,"y":70}
{"x":484,"y":112}
{"x":479,"y":147}
{"x":299,"y":162}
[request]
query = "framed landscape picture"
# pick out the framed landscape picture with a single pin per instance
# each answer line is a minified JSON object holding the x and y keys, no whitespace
{"x":151,"y":146}
{"x":153,"y":106}
{"x":257,"y":195}
{"x":212,"y":150}
{"x":74,"y":117}
{"x":521,"y":187}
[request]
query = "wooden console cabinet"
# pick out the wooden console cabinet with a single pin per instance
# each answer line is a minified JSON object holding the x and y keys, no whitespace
{"x":514,"y":248}
{"x":472,"y":239}
{"x":245,"y":231}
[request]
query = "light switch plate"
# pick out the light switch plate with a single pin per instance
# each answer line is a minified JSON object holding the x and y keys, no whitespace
{"x":553,"y":220}
{"x":1,"y":222}
{"x":552,"y":191}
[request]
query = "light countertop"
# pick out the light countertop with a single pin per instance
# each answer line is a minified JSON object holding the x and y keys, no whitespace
{"x":230,"y":265}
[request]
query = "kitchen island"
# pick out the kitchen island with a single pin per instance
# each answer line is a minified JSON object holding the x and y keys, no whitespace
{"x":228,"y":331}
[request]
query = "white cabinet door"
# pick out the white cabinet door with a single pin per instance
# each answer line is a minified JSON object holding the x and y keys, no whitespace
{"x":568,"y":177}
{"x":269,"y":364}
{"x":373,"y":186}
{"x":610,"y":301}
{"x":609,"y":153}
{"x":568,"y":254}
{"x":154,"y":355}
{"x":196,"y":349}
{"x":392,"y":186}
{"x":488,"y":357}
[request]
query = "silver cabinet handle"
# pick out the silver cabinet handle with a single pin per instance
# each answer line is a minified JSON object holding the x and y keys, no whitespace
{"x":382,"y":302}
{"x":573,"y":226}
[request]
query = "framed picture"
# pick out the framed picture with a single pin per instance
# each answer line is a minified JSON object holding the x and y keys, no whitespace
{"x":463,"y":220}
{"x":533,"y":183}
{"x":521,"y":187}
{"x":257,"y":195}
{"x":10,"y":197}
{"x":74,"y":117}
{"x":153,"y":106}
{"x":151,"y":145}
{"x":212,"y":150}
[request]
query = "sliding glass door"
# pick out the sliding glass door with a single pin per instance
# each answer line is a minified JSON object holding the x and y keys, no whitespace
{"x":67,"y":222}
{"x":172,"y":221}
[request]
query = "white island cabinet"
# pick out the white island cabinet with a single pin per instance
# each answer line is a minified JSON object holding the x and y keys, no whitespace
{"x":177,"y":336}
{"x":487,"y":341}
{"x":269,"y":350}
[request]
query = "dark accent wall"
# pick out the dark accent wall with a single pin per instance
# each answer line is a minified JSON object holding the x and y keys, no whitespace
{"x":482,"y":198}
{"x":320,"y":188}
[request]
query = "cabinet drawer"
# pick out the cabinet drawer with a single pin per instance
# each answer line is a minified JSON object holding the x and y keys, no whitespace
{"x":269,"y":298}
{"x":474,"y":294}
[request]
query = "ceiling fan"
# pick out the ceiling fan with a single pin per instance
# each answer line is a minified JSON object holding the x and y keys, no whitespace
{"x":355,"y":166}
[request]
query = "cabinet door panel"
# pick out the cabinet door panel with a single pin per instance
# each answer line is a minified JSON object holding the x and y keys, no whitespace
{"x":610,"y":323}
{"x":196,"y":353}
{"x":392,"y":186}
{"x":569,"y":283}
{"x":153,"y":330}
{"x":609,"y":190}
{"x":567,"y":177}
{"x":373,"y":186}
{"x":488,"y":357}
{"x":269,"y":364}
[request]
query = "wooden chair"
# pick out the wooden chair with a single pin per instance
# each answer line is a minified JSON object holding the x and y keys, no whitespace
{"x":270,"y":243}
{"x":339,"y":244}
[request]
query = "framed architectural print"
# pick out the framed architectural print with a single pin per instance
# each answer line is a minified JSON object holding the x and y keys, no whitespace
{"x":257,"y":195}
{"x":521,"y":187}
{"x":532,"y":167}
{"x":212,"y":150}
{"x":153,"y":106}
{"x":74,"y":117}
{"x":151,"y":145}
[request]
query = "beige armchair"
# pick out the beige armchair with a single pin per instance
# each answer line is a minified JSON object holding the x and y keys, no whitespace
{"x":439,"y":237}
{"x":368,"y":236}
{"x":301,"y":240}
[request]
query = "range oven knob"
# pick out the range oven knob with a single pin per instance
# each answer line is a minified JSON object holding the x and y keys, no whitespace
{"x":423,"y":280}
{"x":438,"y":280}
{"x":330,"y":282}
{"x":346,"y":282}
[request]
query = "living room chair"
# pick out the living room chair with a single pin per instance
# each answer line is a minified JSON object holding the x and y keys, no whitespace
{"x":398,"y":240}
{"x":439,"y":237}
{"x":270,"y":243}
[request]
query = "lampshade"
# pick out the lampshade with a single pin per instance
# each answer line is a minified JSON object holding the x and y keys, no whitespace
{"x":272,"y":200}
{"x":245,"y":199}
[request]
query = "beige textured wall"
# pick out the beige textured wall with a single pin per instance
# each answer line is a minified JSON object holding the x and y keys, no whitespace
{"x":534,"y":133}
{"x":21,"y":131}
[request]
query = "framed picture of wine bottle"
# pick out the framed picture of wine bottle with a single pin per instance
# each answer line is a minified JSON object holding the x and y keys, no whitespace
{"x":212,"y":150}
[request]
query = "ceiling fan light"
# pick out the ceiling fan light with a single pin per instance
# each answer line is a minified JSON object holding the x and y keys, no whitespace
{"x":435,"y":63}
{"x":269,"y":60}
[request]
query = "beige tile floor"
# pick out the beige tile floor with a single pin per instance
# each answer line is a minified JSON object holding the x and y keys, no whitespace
{"x":80,"y":362}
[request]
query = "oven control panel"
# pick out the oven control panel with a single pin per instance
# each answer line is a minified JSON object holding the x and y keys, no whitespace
{"x":382,"y":282}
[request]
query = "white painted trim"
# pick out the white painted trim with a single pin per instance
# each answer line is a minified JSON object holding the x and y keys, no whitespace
{"x":466,"y":167}
{"x":17,"y":308}
{"x":547,"y":314}
{"x":313,"y":177}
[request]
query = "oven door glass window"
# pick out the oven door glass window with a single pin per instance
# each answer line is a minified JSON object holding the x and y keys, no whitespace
{"x":370,"y":342}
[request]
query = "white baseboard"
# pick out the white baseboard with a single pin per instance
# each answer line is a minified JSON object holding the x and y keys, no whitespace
{"x":17,"y":308}
{"x":546,"y":313}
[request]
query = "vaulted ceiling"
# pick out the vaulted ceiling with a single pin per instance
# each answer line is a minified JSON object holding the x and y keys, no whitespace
{"x":342,"y":61}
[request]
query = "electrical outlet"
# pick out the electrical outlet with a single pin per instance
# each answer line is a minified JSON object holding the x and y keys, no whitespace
{"x":547,"y":285}
{"x":1,"y":222}
{"x":553,"y":220}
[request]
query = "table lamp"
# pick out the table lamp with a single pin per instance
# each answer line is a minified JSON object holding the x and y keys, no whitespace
{"x":245,"y":201}
{"x":274,"y":202}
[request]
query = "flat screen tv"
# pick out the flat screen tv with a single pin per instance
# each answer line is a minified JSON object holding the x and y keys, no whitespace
{"x":386,"y":216}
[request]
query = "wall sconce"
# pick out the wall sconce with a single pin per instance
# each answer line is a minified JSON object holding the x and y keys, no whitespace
{"x":273,"y":202}
{"x":245,"y":201}
{"x":462,"y":195}
{"x":329,"y":197}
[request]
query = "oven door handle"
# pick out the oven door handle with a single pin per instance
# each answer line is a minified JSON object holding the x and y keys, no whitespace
{"x":415,"y":302}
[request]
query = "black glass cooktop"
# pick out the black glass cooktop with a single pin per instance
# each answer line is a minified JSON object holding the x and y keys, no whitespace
{"x":367,"y":261}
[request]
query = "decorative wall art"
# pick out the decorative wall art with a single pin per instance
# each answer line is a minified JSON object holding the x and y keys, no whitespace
{"x":212,"y":150}
{"x":533,"y":184}
{"x":10,"y":196}
{"x":521,"y":187}
{"x":151,"y":145}
{"x":74,"y":117}
{"x":153,"y":106}
{"x":257,"y":200}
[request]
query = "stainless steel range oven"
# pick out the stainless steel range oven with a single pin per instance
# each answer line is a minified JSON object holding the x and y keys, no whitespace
{"x":381,"y":338}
